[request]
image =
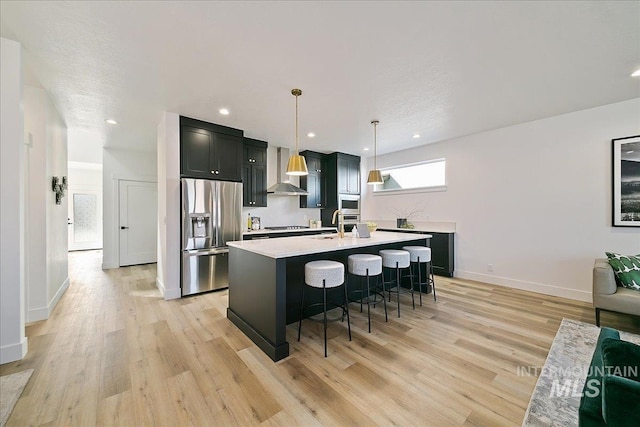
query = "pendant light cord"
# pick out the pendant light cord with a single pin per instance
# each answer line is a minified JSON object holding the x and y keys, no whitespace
{"x":296,"y":124}
{"x":375,"y":144}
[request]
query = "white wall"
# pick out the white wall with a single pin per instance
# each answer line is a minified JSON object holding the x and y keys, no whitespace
{"x":168,"y":279}
{"x":13,"y":343}
{"x":47,"y":275}
{"x":85,"y":174}
{"x":84,"y":146}
{"x":533,"y":199}
{"x":119,"y":165}
{"x":280,"y":210}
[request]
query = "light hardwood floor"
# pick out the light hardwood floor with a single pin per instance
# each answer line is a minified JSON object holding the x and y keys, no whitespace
{"x":115,"y":353}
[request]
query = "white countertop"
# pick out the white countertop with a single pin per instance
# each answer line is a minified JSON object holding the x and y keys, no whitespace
{"x":304,"y":245}
{"x":294,"y":230}
{"x":426,"y":226}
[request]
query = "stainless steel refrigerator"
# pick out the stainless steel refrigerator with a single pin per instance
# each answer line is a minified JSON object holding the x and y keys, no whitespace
{"x":211,"y":217}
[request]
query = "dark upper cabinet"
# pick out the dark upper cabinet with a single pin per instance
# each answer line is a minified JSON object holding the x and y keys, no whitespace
{"x":254,"y":173}
{"x":348,"y":174}
{"x":314,"y":182}
{"x":210,"y":151}
{"x":342,"y":173}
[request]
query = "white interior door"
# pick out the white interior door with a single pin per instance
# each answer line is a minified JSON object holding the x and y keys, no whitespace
{"x":85,"y":219}
{"x":138,"y":222}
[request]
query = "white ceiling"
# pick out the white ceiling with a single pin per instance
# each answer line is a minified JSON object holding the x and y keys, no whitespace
{"x":440,"y":69}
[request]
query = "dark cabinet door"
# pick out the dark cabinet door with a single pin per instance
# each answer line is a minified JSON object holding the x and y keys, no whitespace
{"x":343,"y":175}
{"x":314,"y":164}
{"x":227,"y":157}
{"x":348,"y":175}
{"x":353,"y":177}
{"x":313,"y":182}
{"x":210,"y":151}
{"x":246,"y":185}
{"x":314,"y":187}
{"x":259,"y":188}
{"x":255,"y":155}
{"x":254,"y":173}
{"x":196,"y":151}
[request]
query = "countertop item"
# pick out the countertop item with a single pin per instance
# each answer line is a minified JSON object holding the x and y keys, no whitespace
{"x":305,"y":245}
{"x":298,"y":230}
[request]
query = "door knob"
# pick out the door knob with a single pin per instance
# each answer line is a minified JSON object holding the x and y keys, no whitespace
{"x":124,"y":228}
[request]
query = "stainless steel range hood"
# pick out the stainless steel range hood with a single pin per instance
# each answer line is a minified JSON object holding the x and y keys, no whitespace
{"x":283,"y":187}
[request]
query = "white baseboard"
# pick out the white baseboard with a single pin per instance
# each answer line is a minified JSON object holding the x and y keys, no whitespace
{"x":57,"y":296}
{"x":160,"y":285}
{"x":35,"y":314}
{"x":13,"y":352}
{"x":42,"y":313}
{"x":540,"y":288}
{"x":172,"y":293}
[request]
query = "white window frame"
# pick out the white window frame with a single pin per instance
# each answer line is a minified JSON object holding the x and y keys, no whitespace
{"x":426,"y":189}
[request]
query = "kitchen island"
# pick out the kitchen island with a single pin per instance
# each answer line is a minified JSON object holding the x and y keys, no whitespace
{"x":266,"y":279}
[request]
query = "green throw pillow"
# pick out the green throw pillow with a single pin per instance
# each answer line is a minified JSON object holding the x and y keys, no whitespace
{"x":626,"y":269}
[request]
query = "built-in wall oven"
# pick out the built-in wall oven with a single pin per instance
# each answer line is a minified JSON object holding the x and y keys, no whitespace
{"x":349,"y":204}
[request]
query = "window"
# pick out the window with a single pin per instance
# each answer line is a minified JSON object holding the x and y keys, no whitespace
{"x":427,"y":176}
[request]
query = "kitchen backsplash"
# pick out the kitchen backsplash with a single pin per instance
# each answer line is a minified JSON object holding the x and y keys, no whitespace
{"x":282,"y":210}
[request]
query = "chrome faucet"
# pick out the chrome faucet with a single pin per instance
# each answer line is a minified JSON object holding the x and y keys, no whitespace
{"x":338,"y":212}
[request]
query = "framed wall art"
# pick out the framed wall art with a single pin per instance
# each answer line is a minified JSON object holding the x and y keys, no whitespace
{"x":626,"y":181}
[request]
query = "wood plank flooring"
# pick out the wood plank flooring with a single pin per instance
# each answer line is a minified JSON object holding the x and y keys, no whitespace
{"x":115,"y":353}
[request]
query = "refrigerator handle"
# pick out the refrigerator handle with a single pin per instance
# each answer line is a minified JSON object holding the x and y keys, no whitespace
{"x":216,"y":207}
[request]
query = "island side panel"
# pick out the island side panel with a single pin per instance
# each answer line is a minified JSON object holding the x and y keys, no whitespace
{"x":257,"y":300}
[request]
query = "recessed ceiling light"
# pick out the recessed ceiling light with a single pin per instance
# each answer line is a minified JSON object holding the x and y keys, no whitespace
{"x":366,"y":149}
{"x":636,"y":73}
{"x":416,"y":135}
{"x":311,"y":134}
{"x":224,"y":111}
{"x":111,"y":122}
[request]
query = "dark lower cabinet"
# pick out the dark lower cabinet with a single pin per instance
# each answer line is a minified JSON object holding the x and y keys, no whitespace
{"x":442,"y":250}
{"x":257,"y":235}
{"x":210,"y":151}
{"x":254,"y":173}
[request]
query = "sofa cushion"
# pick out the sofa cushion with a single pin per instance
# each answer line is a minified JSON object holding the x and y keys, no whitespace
{"x":624,"y":301}
{"x":626,"y":269}
{"x":621,"y":383}
{"x":590,"y":412}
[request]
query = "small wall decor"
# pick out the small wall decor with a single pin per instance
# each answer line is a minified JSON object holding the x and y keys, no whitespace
{"x":626,"y":181}
{"x":59,"y":185}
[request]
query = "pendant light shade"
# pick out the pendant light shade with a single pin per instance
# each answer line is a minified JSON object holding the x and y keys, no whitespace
{"x":375,"y":176}
{"x":297,"y":165}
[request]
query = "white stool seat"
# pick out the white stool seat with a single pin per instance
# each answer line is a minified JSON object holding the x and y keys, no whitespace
{"x":360,"y":263}
{"x":419,"y":253}
{"x":392,"y":258}
{"x":332,"y":272}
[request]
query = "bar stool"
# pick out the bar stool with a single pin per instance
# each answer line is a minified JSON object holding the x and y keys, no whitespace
{"x":419,"y":255}
{"x":397,"y":259}
{"x":324,"y":275}
{"x":367,"y":265}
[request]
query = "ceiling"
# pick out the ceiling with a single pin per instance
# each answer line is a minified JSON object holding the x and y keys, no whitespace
{"x":439,"y":69}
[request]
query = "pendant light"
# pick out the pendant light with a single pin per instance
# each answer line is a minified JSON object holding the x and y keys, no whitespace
{"x":297,"y":165}
{"x":375,"y":176}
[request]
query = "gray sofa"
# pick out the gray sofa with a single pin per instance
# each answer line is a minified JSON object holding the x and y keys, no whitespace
{"x":610,"y":297}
